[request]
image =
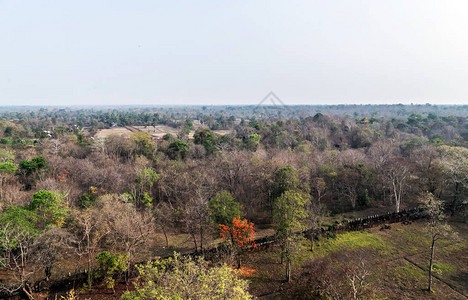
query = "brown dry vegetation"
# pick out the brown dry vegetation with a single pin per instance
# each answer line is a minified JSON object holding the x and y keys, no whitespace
{"x":125,"y":193}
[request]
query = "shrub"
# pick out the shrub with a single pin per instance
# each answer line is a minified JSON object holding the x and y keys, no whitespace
{"x":162,"y":280}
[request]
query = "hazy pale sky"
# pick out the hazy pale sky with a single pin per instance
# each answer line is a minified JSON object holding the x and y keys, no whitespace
{"x":233,"y":52}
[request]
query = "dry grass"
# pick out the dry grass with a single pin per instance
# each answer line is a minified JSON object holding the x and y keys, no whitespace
{"x":156,"y":131}
{"x":103,"y":133}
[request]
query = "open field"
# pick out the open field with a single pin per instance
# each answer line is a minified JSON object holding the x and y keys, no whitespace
{"x":159,"y":130}
{"x":156,"y":131}
{"x":103,"y":133}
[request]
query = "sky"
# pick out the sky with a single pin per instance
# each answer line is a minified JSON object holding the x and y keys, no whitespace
{"x":233,"y":52}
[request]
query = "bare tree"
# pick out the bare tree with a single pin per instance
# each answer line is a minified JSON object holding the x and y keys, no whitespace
{"x":50,"y":246}
{"x":342,"y":275}
{"x":164,"y":218}
{"x":455,"y":167}
{"x":437,"y":227}
{"x":54,"y":146}
{"x":89,"y":230}
{"x":320,"y":187}
{"x":397,"y":175}
{"x":348,"y":183}
{"x":196,"y":219}
{"x":16,"y":251}
{"x":129,"y":229}
{"x":357,"y":273}
{"x":313,"y":221}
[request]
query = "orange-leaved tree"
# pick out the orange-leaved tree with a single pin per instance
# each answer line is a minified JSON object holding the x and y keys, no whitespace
{"x":240,"y":234}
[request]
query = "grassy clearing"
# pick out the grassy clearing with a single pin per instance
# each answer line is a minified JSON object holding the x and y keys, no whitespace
{"x":408,"y":240}
{"x":392,"y":277}
{"x":351,"y":241}
{"x":104,"y":133}
{"x":408,"y":271}
{"x":454,"y":248}
{"x":441,"y":268}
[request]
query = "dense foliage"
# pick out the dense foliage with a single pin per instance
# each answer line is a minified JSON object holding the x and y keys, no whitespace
{"x":177,"y":278}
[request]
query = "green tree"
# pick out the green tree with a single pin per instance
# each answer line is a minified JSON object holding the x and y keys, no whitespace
{"x":201,"y":135}
{"x":143,"y":144}
{"x":87,"y":200}
{"x":6,"y":155}
{"x":168,"y":137}
{"x":147,"y":177}
{"x":185,"y":278}
{"x":110,"y":265}
{"x":223,"y":208}
{"x":30,"y":169}
{"x":253,"y":142}
{"x":285,"y":178}
{"x":204,"y":136}
{"x":17,"y":216}
{"x":178,"y":150}
{"x":5,"y":141}
{"x":289,"y":214}
{"x":50,"y":208}
{"x":8,"y":167}
{"x":29,"y":166}
{"x":186,"y":128}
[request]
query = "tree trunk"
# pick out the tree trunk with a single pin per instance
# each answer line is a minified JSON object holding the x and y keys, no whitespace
{"x":90,"y":280}
{"x":195,"y":241}
{"x":312,"y":243}
{"x":1,"y":189}
{"x":288,"y":269}
{"x":282,"y":254}
{"x":430,"y":264}
{"x":396,"y":195}
{"x":165,"y":236}
{"x":238,"y":261}
{"x":457,"y":188}
{"x":201,"y":239}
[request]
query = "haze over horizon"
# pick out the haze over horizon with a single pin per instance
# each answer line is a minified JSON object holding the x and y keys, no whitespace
{"x":232,"y":53}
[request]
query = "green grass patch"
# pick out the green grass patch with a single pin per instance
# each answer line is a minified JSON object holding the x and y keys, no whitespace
{"x":454,"y":247}
{"x":409,"y":241}
{"x":351,"y":241}
{"x":408,"y":271}
{"x":440,"y":268}
{"x":302,"y":253}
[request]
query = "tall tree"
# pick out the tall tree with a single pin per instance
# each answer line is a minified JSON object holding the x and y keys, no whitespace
{"x":437,"y":227}
{"x":397,"y":175}
{"x":289,"y":213}
{"x":223,"y":208}
{"x":196,"y":219}
{"x":455,"y":166}
{"x":315,"y":213}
